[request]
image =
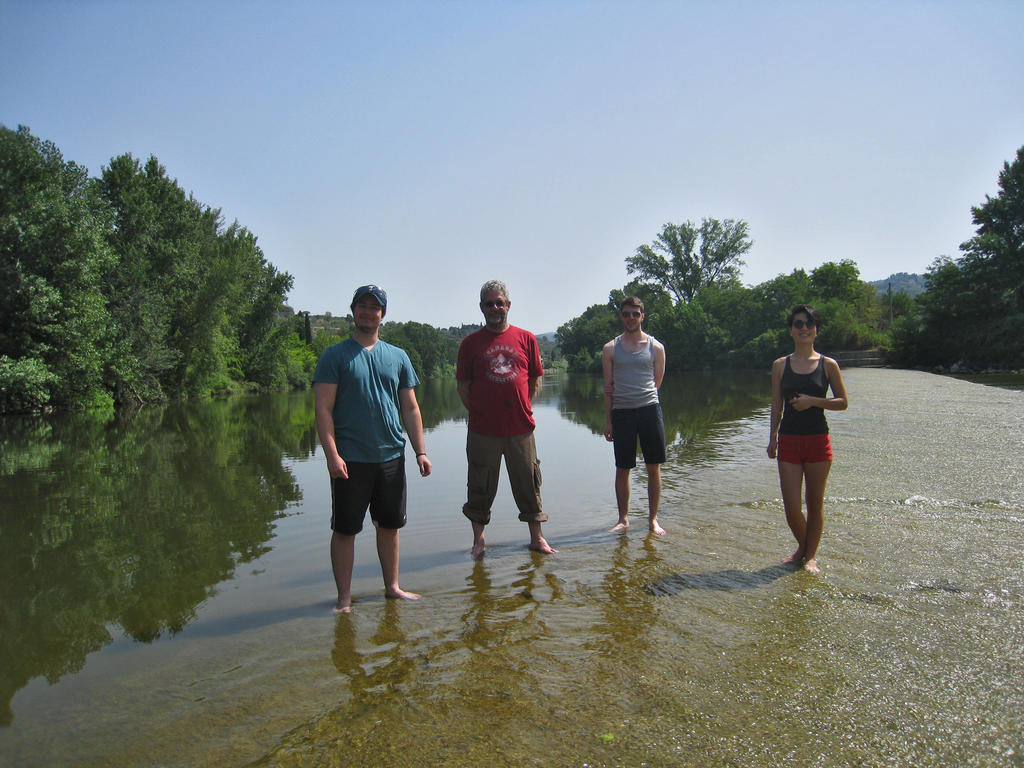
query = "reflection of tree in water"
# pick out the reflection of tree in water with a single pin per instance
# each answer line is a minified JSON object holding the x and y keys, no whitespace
{"x":439,"y":401}
{"x":133,"y":522}
{"x":692,"y":403}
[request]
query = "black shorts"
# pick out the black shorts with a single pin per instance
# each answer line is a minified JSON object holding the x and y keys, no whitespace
{"x":645,"y":423}
{"x":381,"y":487}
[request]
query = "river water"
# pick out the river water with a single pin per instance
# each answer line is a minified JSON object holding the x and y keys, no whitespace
{"x":166,"y":593}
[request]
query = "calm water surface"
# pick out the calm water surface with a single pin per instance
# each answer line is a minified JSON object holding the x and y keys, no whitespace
{"x":166,"y":593}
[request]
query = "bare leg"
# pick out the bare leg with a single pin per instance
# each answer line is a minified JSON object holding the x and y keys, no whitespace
{"x":537,"y":541}
{"x":621,"y":499}
{"x":791,"y":482}
{"x":815,"y":475}
{"x":343,"y":555}
{"x":478,"y":541}
{"x":387,"y":551}
{"x":654,"y":498}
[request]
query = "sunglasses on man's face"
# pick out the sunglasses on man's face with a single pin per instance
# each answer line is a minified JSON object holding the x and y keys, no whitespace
{"x":492,"y":304}
{"x":799,"y":324}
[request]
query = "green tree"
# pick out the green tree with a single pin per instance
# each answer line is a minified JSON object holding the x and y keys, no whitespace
{"x":157,"y":242}
{"x":256,"y":298}
{"x":196,"y":305}
{"x":432,"y":353}
{"x":55,"y":335}
{"x":323,"y":340}
{"x":944,"y":332}
{"x":837,"y":280}
{"x":993,"y":265}
{"x":684,"y":260}
{"x":996,"y":253}
{"x":973,"y":309}
{"x":582,"y":338}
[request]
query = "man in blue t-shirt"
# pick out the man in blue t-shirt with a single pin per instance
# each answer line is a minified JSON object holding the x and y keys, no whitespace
{"x":364,"y":393}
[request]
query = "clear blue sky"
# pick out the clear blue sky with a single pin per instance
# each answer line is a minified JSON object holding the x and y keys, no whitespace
{"x":430,"y":146}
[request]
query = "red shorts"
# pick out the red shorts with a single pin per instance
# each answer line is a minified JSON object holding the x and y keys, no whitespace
{"x":801,"y":449}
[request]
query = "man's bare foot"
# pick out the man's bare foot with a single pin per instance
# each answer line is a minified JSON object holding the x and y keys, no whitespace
{"x":400,"y":594}
{"x":541,"y":545}
{"x":796,"y":557}
{"x":344,"y":605}
{"x":622,"y":525}
{"x":478,"y":541}
{"x":655,"y":528}
{"x":811,"y":567}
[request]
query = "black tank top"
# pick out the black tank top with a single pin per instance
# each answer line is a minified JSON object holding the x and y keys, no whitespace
{"x":812,"y":421}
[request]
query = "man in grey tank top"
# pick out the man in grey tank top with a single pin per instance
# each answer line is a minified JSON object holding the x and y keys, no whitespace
{"x":634,"y":366}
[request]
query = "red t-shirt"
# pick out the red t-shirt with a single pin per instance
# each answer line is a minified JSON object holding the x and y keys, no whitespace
{"x":500,"y":365}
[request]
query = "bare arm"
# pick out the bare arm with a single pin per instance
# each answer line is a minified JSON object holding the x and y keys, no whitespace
{"x":413,"y":421}
{"x":534,"y":387}
{"x":608,"y":366}
{"x":838,"y":401}
{"x":463,"y":386}
{"x":325,"y":395}
{"x":659,"y":363}
{"x":773,"y":436}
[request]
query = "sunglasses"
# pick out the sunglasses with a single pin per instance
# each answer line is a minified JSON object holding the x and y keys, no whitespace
{"x":492,"y":304}
{"x":799,"y":324}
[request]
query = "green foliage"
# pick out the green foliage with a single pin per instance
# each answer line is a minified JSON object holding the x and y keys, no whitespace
{"x":972,"y":312}
{"x":722,"y":324}
{"x":845,"y":328}
{"x":322,"y":341}
{"x":55,"y":336}
{"x":25,"y":385}
{"x":837,"y":281}
{"x":549,"y":351}
{"x":301,"y":361}
{"x":431,"y":351}
{"x":994,"y":257}
{"x":582,"y":338}
{"x":340,"y":327}
{"x":300,"y":357}
{"x":198,"y":305}
{"x":124,"y":288}
{"x":684,"y":267}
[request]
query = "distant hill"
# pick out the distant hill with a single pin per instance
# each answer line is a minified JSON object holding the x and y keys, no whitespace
{"x":902,"y":282}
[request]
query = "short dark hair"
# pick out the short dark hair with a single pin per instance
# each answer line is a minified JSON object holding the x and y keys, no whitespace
{"x":631,"y":301}
{"x":805,"y":309}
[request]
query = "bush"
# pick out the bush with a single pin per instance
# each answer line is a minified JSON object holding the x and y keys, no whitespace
{"x":25,"y":385}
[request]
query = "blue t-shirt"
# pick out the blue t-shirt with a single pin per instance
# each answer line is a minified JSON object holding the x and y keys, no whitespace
{"x":367,"y":415}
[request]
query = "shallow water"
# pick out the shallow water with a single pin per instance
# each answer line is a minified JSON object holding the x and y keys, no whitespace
{"x":167,"y":592}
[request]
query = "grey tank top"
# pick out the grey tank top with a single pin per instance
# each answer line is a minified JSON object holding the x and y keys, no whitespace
{"x":633,"y":376}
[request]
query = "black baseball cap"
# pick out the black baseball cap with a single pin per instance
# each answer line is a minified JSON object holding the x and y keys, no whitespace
{"x":374,"y":290}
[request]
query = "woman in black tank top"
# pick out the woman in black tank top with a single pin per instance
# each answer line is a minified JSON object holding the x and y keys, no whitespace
{"x":799,"y":436}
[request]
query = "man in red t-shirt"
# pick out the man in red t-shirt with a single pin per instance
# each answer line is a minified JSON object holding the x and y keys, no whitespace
{"x":498,"y":374}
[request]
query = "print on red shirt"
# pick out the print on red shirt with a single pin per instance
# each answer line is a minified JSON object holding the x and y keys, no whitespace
{"x":501,"y":364}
